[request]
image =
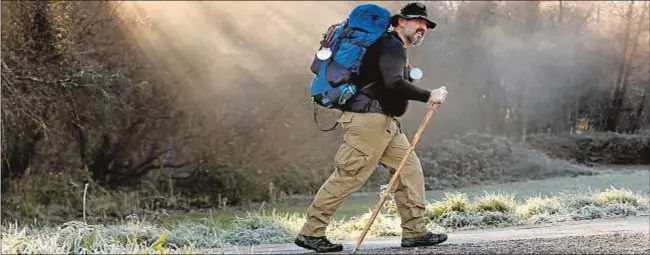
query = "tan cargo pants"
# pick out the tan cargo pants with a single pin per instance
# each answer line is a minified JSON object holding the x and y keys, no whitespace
{"x":370,"y":138}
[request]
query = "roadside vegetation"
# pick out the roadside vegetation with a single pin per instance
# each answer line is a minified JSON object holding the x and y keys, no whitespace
{"x":454,"y":212}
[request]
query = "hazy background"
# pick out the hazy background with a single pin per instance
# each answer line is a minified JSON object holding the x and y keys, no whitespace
{"x":207,"y":104}
{"x":529,"y":58}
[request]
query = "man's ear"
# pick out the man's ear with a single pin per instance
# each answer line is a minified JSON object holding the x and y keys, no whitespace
{"x":401,"y":22}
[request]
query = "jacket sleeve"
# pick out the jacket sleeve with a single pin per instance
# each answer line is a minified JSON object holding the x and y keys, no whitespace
{"x":392,"y":61}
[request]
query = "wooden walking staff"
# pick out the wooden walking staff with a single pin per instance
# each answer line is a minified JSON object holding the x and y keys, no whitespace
{"x":395,"y":177}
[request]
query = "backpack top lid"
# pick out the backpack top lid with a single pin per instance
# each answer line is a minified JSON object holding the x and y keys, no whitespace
{"x":372,"y":18}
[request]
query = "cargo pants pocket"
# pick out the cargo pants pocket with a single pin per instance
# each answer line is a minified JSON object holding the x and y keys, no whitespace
{"x":352,"y":157}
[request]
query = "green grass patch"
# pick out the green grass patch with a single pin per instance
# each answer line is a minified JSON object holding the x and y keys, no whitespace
{"x":495,"y":202}
{"x":616,"y":196}
{"x":452,"y":202}
{"x":539,"y":205}
{"x":535,"y":201}
{"x":502,"y":209}
{"x":359,"y":204}
{"x":384,"y":225}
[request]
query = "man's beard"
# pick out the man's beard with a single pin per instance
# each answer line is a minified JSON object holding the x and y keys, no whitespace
{"x":410,"y":35}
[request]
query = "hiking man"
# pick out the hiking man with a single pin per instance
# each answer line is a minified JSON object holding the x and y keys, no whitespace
{"x":373,"y":135}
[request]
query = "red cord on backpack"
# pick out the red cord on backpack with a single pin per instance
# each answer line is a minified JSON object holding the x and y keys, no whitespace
{"x":328,"y":36}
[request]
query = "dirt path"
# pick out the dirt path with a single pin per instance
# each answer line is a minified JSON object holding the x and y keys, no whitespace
{"x":622,"y":235}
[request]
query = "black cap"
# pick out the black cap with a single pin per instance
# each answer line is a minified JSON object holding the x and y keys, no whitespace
{"x":413,"y":11}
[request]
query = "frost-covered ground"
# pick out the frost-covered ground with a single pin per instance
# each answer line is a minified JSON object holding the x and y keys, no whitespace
{"x":456,"y":211}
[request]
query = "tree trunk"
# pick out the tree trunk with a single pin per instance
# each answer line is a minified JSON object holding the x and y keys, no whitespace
{"x":524,"y":128}
{"x":638,"y":115}
{"x":619,"y":89}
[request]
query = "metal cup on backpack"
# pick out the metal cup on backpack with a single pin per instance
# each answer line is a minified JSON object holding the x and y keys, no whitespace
{"x":415,"y":74}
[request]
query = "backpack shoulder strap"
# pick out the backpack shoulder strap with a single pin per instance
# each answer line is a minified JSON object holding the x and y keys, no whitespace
{"x":365,"y":89}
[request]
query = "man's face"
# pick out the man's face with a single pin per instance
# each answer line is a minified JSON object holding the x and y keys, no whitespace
{"x":414,"y":30}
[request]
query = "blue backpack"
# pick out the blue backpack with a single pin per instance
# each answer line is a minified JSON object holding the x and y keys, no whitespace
{"x":339,"y":57}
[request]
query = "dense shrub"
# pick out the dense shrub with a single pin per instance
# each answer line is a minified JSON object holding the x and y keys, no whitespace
{"x":595,"y":147}
{"x":481,"y":158}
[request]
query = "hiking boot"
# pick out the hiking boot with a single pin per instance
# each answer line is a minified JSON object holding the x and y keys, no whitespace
{"x":429,"y":239}
{"x":318,"y":244}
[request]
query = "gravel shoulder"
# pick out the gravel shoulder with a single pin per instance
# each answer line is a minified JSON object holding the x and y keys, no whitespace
{"x":620,"y":235}
{"x":617,"y":243}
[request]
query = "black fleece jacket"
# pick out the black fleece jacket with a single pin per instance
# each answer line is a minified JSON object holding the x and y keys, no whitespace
{"x":385,"y":64}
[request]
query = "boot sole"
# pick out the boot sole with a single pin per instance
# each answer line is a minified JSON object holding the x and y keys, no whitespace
{"x":305,"y":246}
